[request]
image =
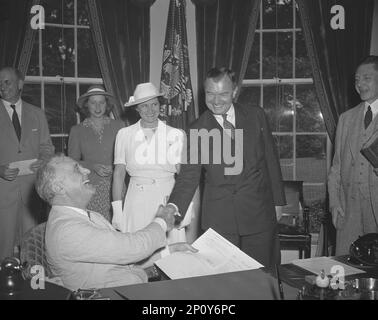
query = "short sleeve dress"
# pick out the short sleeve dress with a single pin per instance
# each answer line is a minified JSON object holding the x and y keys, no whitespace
{"x":90,"y":147}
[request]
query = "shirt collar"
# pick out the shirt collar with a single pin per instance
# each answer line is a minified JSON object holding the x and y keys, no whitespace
{"x":230,"y":113}
{"x":81,"y":211}
{"x":373,"y":106}
{"x":161,"y":124}
{"x":8,"y":104}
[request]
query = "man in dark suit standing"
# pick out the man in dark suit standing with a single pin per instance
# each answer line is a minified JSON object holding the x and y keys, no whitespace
{"x":25,"y":136}
{"x":238,"y":204}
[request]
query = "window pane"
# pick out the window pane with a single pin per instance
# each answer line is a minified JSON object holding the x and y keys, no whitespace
{"x":285,"y":150}
{"x":59,"y":11}
{"x":33,"y":68}
{"x":82,"y":13}
{"x":250,"y":96}
{"x":278,"y":105}
{"x":58,"y":52}
{"x":84,"y":88}
{"x":60,"y":144}
{"x":52,"y":11}
{"x":31,"y":93}
{"x":309,"y":116}
{"x":311,"y":158}
{"x":314,"y":193}
{"x":87,"y":56}
{"x":253,"y":68}
{"x":278,"y":14}
{"x":314,"y":197}
{"x":277,"y":55}
{"x":60,"y":107}
{"x":302,"y":61}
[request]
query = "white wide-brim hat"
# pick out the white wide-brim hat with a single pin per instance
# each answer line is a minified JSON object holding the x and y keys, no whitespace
{"x":143,"y":92}
{"x":94,"y":91}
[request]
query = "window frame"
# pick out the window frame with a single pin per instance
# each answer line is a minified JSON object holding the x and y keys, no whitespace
{"x":75,"y":80}
{"x":264,"y":82}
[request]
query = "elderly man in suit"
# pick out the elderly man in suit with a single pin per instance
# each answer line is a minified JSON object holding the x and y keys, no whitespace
{"x":82,"y":247}
{"x":25,"y":136}
{"x":238,"y":201}
{"x":352,"y":184}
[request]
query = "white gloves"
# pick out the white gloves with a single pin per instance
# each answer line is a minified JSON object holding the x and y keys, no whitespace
{"x":119,"y":219}
{"x":188,"y":217}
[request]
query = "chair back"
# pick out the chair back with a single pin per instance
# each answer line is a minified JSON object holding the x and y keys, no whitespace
{"x":292,"y":212}
{"x":33,"y":250}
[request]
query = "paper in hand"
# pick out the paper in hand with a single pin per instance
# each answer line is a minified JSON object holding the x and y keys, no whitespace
{"x":23,"y":166}
{"x":215,"y":255}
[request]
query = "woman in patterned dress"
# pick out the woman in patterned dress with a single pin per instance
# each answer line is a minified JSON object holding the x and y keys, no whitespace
{"x":92,"y":143}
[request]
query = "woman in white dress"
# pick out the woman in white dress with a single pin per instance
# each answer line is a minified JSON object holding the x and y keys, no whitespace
{"x":150,"y":152}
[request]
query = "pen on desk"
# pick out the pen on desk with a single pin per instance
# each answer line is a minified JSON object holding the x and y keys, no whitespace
{"x":280,"y":286}
{"x":121,"y":295}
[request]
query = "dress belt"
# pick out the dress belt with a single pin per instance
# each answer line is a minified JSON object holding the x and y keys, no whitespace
{"x":144,"y":180}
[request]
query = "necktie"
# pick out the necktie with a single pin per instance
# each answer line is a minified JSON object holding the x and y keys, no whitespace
{"x":228,"y":125}
{"x":368,"y":117}
{"x":16,"y":122}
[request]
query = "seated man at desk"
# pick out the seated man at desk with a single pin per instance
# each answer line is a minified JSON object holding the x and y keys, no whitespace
{"x":83,"y":248}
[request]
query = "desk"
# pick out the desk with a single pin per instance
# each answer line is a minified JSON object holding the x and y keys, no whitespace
{"x":51,"y":292}
{"x":295,"y":276}
{"x":241,"y":285}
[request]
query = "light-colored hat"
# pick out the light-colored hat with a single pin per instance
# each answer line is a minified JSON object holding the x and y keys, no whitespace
{"x":143,"y":92}
{"x":93,"y":91}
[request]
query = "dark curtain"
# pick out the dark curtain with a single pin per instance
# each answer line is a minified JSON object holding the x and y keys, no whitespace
{"x":121,"y":32}
{"x":335,"y":54}
{"x":225,"y":32}
{"x":14,"y":29}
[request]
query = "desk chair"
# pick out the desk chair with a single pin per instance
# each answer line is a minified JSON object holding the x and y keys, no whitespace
{"x":33,"y":250}
{"x":294,"y":224}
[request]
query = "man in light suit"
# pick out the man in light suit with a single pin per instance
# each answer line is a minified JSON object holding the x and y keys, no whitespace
{"x":239,"y":205}
{"x":82,"y":247}
{"x":352,"y":182}
{"x":25,"y":136}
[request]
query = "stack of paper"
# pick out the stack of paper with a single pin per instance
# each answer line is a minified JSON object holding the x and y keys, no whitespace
{"x":329,"y":265}
{"x":215,"y":255}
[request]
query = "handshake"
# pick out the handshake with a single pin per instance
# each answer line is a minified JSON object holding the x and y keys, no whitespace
{"x":169,"y":214}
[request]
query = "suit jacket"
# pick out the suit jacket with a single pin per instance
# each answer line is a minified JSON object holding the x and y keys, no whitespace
{"x":343,"y":179}
{"x":87,"y":252}
{"x":242,"y":203}
{"x":35,"y":143}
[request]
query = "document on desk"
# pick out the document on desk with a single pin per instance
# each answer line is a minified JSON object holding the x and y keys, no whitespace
{"x":23,"y":166}
{"x":329,"y":265}
{"x":215,"y":255}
